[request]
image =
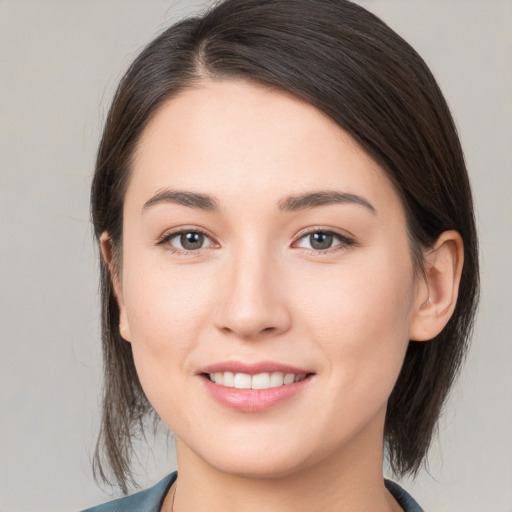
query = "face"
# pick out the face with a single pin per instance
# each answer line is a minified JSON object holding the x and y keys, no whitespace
{"x":266,"y":286}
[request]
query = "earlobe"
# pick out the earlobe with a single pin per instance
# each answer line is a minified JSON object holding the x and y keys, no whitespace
{"x":107,"y":252}
{"x":436,"y":296}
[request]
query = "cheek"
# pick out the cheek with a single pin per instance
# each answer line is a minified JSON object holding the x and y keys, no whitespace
{"x":163,"y":307}
{"x":360,"y":318}
{"x":163,"y":312}
{"x":169,"y":310}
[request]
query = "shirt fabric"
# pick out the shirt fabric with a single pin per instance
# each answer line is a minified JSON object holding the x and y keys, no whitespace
{"x":151,"y":499}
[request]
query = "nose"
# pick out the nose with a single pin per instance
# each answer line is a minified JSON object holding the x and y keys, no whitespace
{"x":254,"y":302}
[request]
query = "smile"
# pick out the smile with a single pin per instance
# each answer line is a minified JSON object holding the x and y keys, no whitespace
{"x":259,"y":381}
{"x":255,"y":387}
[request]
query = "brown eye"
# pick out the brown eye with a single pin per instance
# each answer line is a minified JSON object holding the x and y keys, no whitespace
{"x":191,"y":241}
{"x":186,"y":241}
{"x":322,"y":241}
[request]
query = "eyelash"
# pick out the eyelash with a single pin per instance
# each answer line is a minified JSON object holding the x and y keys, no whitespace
{"x":344,"y":241}
{"x":165,"y":240}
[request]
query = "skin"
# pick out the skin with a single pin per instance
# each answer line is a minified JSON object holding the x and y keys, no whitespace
{"x":257,"y":290}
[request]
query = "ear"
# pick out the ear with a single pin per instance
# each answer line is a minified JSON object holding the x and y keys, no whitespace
{"x":107,"y":252}
{"x":437,"y":291}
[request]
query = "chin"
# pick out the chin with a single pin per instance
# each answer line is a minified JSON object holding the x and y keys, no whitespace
{"x":257,"y":459}
{"x":262,"y":467}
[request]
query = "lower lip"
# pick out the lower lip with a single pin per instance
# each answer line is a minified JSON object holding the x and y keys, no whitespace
{"x":254,"y":400}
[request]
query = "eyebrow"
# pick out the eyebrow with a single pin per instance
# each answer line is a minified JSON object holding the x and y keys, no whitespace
{"x":304,"y":201}
{"x":185,"y":198}
{"x":321,"y":198}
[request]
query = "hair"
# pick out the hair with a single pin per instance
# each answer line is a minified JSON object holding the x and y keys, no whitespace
{"x":345,"y":61}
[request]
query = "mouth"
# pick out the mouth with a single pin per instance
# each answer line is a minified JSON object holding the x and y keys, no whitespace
{"x":254,"y":387}
{"x":265,"y":380}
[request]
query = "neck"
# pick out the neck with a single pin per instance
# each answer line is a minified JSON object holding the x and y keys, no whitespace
{"x":348,"y":481}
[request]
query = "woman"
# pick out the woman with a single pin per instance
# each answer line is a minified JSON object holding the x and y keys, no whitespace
{"x":289,"y":259}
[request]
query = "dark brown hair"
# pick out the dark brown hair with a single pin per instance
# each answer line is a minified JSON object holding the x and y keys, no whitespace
{"x":345,"y":61}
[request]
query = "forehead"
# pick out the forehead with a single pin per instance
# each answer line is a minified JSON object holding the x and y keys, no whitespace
{"x":241,"y":141}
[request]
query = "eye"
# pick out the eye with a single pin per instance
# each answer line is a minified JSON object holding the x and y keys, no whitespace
{"x":186,"y":241}
{"x":323,"y":240}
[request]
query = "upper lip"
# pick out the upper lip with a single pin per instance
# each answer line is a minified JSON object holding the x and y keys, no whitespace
{"x":253,"y":368}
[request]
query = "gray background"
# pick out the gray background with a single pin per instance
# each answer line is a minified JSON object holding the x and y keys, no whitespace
{"x":59,"y":64}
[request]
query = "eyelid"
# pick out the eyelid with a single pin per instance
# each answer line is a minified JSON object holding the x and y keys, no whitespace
{"x":169,"y":235}
{"x":346,"y":240}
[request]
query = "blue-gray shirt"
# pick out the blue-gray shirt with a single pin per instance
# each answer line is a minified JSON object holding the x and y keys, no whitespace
{"x":151,"y":499}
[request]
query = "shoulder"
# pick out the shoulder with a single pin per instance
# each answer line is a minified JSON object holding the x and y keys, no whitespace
{"x":404,"y":499}
{"x":149,"y":500}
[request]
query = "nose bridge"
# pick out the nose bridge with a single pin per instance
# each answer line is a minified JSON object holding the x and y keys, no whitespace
{"x":252,"y":302}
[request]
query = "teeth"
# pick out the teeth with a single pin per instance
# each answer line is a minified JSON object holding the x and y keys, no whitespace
{"x":242,"y":381}
{"x":276,"y":379}
{"x":259,"y":381}
{"x":289,"y":378}
{"x":228,"y":379}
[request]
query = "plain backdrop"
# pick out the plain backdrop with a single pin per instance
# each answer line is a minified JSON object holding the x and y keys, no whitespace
{"x":59,"y":64}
